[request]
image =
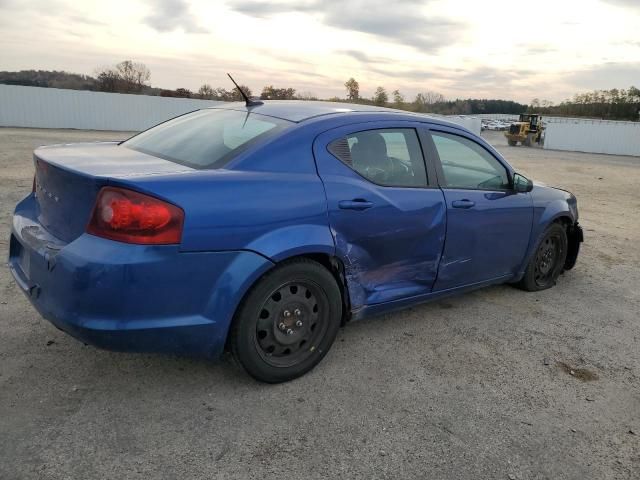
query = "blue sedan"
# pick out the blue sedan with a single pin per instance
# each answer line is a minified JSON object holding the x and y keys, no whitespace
{"x":262,"y":228}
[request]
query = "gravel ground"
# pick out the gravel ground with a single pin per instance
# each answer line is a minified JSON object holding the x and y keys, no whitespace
{"x":474,"y":387}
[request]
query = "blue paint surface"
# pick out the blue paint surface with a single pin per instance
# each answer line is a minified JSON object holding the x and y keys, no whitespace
{"x":279,"y":198}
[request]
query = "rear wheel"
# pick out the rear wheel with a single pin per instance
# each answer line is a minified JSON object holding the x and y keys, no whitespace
{"x":547,"y":263}
{"x":288,"y":321}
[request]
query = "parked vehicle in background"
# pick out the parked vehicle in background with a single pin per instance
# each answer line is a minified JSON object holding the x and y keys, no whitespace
{"x":264,"y":227}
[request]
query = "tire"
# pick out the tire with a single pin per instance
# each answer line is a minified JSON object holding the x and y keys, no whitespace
{"x":512,"y":143}
{"x":544,"y":268}
{"x":287,"y":322}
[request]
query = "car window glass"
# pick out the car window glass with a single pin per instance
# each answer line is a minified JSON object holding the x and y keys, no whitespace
{"x":207,"y":138}
{"x":389,"y":157}
{"x":466,"y":164}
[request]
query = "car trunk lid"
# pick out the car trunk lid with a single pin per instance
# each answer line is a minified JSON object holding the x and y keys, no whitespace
{"x":68,"y":178}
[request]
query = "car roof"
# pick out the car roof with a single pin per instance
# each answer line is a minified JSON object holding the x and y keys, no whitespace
{"x":301,"y":110}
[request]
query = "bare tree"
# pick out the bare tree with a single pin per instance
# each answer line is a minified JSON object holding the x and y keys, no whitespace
{"x":206,"y":92}
{"x":398,"y":98}
{"x":236,"y":96}
{"x":126,"y":77}
{"x":353,"y":89}
{"x":306,"y":96}
{"x":433,"y":97}
{"x":380,"y":97}
{"x":223,"y":94}
{"x":134,"y":75}
{"x":424,"y":101}
{"x":107,"y":80}
{"x":271,"y":93}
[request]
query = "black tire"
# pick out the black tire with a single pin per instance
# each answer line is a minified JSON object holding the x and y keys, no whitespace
{"x":548,"y":261}
{"x":287,"y":322}
{"x":512,"y":143}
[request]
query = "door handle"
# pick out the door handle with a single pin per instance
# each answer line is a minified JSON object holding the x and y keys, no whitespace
{"x":462,"y":203}
{"x":355,"y":204}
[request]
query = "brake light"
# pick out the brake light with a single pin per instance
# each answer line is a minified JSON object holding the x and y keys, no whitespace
{"x":132,"y":217}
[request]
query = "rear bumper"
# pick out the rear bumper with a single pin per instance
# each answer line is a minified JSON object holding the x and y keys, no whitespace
{"x":132,"y":298}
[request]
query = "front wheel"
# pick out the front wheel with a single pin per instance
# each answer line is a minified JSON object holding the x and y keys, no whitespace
{"x":287,"y":322}
{"x":548,"y":261}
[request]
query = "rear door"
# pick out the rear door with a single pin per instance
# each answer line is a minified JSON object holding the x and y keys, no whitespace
{"x":488,"y":223}
{"x":386,"y":212}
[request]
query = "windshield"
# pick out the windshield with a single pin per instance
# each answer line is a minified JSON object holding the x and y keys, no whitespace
{"x":207,"y":138}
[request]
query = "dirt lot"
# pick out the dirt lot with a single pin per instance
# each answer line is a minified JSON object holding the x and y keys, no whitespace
{"x":474,"y":387}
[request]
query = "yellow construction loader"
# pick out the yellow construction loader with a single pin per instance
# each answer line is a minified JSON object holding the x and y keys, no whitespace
{"x":527,"y":130}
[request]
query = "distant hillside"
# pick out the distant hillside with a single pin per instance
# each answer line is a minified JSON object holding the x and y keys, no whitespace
{"x":52,"y":79}
{"x":60,"y":79}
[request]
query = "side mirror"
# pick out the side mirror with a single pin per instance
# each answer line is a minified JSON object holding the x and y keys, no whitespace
{"x":522,"y":184}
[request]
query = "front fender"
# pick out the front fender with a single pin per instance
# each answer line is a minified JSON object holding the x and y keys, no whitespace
{"x":543,"y":216}
{"x":551,"y":212}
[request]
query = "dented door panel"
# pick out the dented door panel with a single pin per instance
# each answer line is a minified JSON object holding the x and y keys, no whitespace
{"x":392,"y":249}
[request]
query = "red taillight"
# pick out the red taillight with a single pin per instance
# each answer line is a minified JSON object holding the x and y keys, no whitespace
{"x":132,"y":217}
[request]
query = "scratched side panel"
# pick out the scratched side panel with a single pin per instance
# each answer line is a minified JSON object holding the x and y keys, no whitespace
{"x":391,"y":250}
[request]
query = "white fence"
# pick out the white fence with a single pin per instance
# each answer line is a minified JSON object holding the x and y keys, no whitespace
{"x":57,"y":108}
{"x":37,"y":107}
{"x":505,"y":117}
{"x":471,"y":123}
{"x":592,"y":136}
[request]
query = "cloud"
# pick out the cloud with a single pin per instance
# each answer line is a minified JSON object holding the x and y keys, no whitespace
{"x":85,"y":20}
{"x":540,"y":49}
{"x":607,"y":75}
{"x":169,"y":15}
{"x":400,"y":21}
{"x":363,"y":57}
{"x":266,"y":9}
{"x":623,"y":3}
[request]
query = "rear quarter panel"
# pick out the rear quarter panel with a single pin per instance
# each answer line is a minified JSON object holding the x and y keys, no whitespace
{"x":270,"y":201}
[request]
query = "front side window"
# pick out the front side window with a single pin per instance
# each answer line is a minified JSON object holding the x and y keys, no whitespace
{"x":388,"y":157}
{"x":207,"y":138}
{"x":467,"y":165}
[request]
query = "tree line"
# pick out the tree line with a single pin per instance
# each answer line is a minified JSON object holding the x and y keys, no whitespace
{"x":135,"y":77}
{"x":429,"y":102}
{"x":614,"y":104}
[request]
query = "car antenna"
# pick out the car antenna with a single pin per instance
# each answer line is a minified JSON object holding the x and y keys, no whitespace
{"x":248,"y":102}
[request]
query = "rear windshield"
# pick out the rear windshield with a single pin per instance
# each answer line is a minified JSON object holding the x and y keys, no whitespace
{"x":206,"y":138}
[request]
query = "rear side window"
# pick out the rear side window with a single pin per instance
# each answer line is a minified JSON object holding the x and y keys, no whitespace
{"x":390,"y":157}
{"x":467,"y":165}
{"x":206,"y":138}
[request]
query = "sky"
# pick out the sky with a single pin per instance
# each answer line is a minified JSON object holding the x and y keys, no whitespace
{"x":548,"y":49}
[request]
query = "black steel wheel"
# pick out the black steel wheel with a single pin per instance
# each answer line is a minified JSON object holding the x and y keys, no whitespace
{"x":292,"y":318}
{"x":547,"y":263}
{"x":287,"y":322}
{"x":546,"y":259}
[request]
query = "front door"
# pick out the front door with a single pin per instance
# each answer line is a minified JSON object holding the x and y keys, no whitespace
{"x":387,"y":219}
{"x":488,"y":223}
